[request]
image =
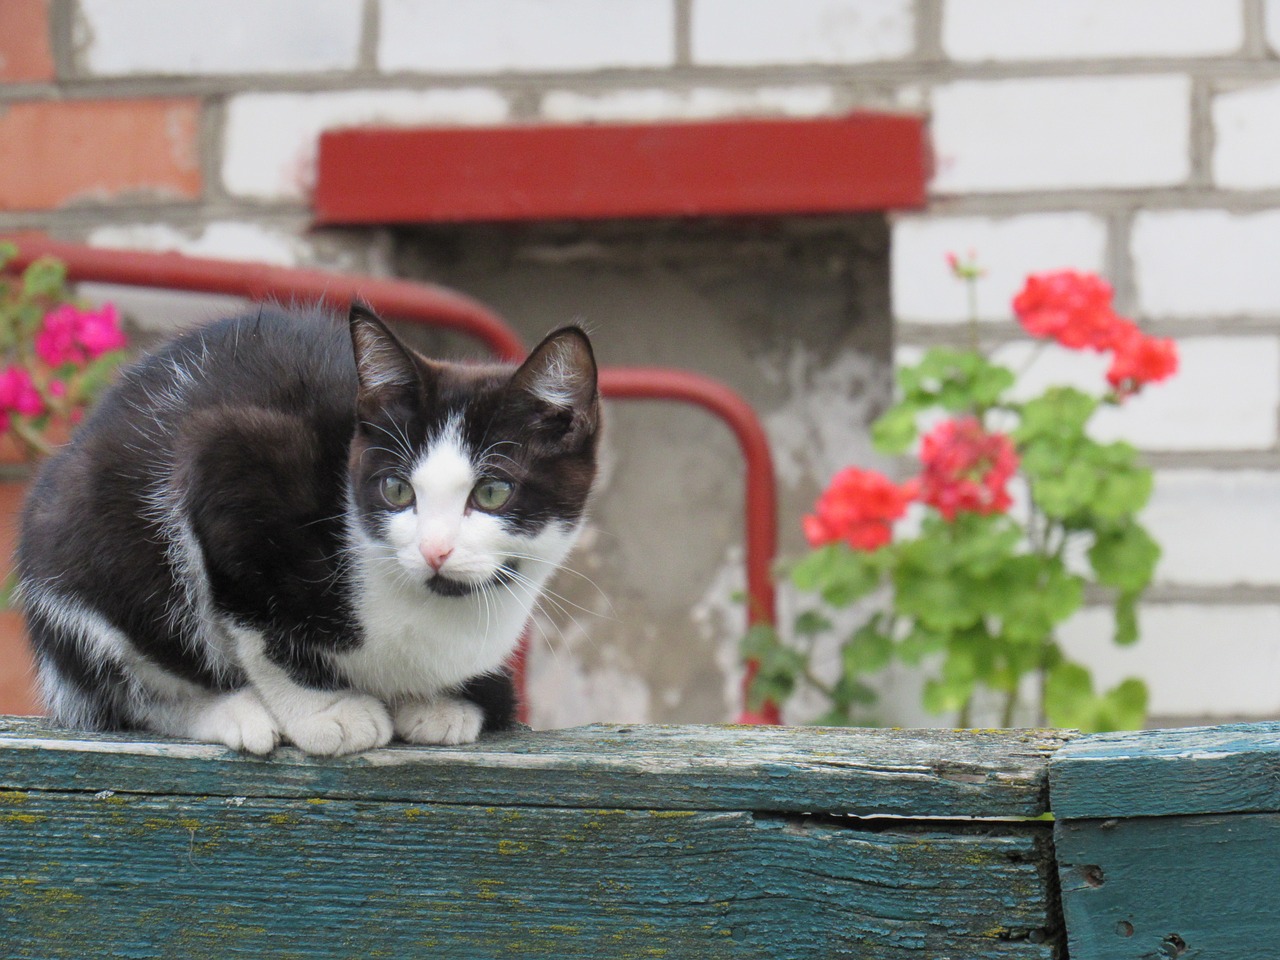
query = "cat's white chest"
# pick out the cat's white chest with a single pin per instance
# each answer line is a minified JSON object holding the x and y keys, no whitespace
{"x":416,"y":645}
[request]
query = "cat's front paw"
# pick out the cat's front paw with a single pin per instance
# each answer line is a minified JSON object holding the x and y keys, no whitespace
{"x":352,"y":723}
{"x":446,"y":721}
{"x":240,"y":720}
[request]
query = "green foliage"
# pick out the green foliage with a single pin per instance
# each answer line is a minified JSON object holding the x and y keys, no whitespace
{"x":977,"y":600}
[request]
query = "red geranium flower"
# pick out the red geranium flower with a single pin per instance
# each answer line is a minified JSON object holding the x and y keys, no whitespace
{"x":966,"y":468}
{"x":1072,"y":308}
{"x":1140,"y":359}
{"x":858,"y":508}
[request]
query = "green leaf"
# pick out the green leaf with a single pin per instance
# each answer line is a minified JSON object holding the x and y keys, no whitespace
{"x":840,"y":574}
{"x":867,"y":650}
{"x":1124,"y":558}
{"x":1123,"y":492}
{"x":894,"y":432}
{"x":1068,"y":695}
{"x":1125,"y":707}
{"x":919,"y":643}
{"x":1070,"y":490}
{"x":1126,"y":619}
{"x":99,"y":373}
{"x":45,"y":277}
{"x":1061,"y":412}
{"x":941,"y":602}
{"x":1071,"y":702}
{"x":942,"y":696}
{"x":810,"y":623}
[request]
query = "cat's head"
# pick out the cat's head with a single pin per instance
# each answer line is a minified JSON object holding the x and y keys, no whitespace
{"x":469,"y":476}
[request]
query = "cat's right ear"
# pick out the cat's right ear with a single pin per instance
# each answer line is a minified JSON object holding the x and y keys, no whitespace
{"x":388,"y":374}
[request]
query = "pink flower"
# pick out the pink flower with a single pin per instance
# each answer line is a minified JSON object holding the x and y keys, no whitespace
{"x":56,"y":341}
{"x":18,"y":394}
{"x":100,"y":332}
{"x":71,"y":335}
{"x":966,"y":468}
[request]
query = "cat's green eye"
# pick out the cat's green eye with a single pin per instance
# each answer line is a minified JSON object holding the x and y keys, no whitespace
{"x":396,"y":491}
{"x":491,"y":494}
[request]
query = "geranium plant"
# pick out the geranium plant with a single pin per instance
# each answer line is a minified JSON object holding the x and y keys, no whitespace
{"x":57,"y":353}
{"x":1020,"y":510}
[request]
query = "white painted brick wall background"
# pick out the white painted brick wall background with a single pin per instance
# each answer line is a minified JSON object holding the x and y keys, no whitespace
{"x":1061,"y":133}
{"x":269,"y":142}
{"x":1009,"y":248}
{"x":138,"y":37}
{"x":755,"y":32}
{"x":497,"y":36}
{"x":1138,"y":138}
{"x":1014,"y":30}
{"x":1201,"y":264}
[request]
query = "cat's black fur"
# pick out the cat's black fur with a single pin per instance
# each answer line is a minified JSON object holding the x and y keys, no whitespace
{"x":264,"y":441}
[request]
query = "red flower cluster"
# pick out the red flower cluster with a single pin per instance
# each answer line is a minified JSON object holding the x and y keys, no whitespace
{"x":1075,"y":309}
{"x":858,"y":508}
{"x":1140,"y":359}
{"x":966,"y":468}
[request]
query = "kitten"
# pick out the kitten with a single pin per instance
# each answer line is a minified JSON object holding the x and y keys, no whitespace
{"x":278,"y":528}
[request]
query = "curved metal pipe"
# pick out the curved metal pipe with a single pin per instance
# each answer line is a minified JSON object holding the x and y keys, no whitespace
{"x":659,"y":383}
{"x":401,"y":299}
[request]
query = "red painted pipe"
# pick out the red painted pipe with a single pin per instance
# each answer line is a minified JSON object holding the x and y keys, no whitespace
{"x":439,"y":306}
{"x":422,"y":302}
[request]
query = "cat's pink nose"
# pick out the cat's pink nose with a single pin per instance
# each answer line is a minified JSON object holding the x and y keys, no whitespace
{"x":435,"y":554}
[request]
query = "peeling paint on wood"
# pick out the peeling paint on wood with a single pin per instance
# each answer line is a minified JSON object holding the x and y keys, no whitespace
{"x":939,"y":773}
{"x":1146,"y":773}
{"x":597,"y":842}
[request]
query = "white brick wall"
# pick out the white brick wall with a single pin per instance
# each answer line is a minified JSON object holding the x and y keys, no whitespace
{"x":1198,"y":661}
{"x":1225,"y":395}
{"x":1057,"y":134}
{"x":568,"y":106}
{"x":269,"y":141}
{"x":1246,"y":138}
{"x":1272,"y":23}
{"x":128,"y":37}
{"x":224,"y":240}
{"x":1202,"y":264}
{"x":496,"y":36}
{"x":752,"y":32}
{"x":994,"y":30}
{"x":1217,"y":527}
{"x":924,"y":291}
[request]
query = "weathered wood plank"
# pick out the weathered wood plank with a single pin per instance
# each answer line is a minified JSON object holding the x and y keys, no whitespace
{"x":191,"y":877}
{"x":1151,"y":888}
{"x":1147,"y":773}
{"x":936,"y":773}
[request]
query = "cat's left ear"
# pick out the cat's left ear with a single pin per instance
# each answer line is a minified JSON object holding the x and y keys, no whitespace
{"x":388,"y":374}
{"x":561,"y":373}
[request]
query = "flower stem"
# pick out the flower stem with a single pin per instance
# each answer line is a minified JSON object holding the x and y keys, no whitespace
{"x":30,"y":438}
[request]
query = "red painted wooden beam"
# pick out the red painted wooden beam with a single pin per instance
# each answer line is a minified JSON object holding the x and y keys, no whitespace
{"x":860,"y":162}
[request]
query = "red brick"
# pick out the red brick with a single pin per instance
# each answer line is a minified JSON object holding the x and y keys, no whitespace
{"x":25,"y":56}
{"x":96,"y":151}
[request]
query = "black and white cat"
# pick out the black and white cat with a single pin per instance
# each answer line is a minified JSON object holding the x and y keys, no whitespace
{"x":282,"y":527}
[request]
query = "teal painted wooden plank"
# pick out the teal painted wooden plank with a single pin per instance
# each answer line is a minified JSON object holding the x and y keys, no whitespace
{"x":1225,"y":769}
{"x":137,"y":876}
{"x":1196,"y":888}
{"x":807,"y":769}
